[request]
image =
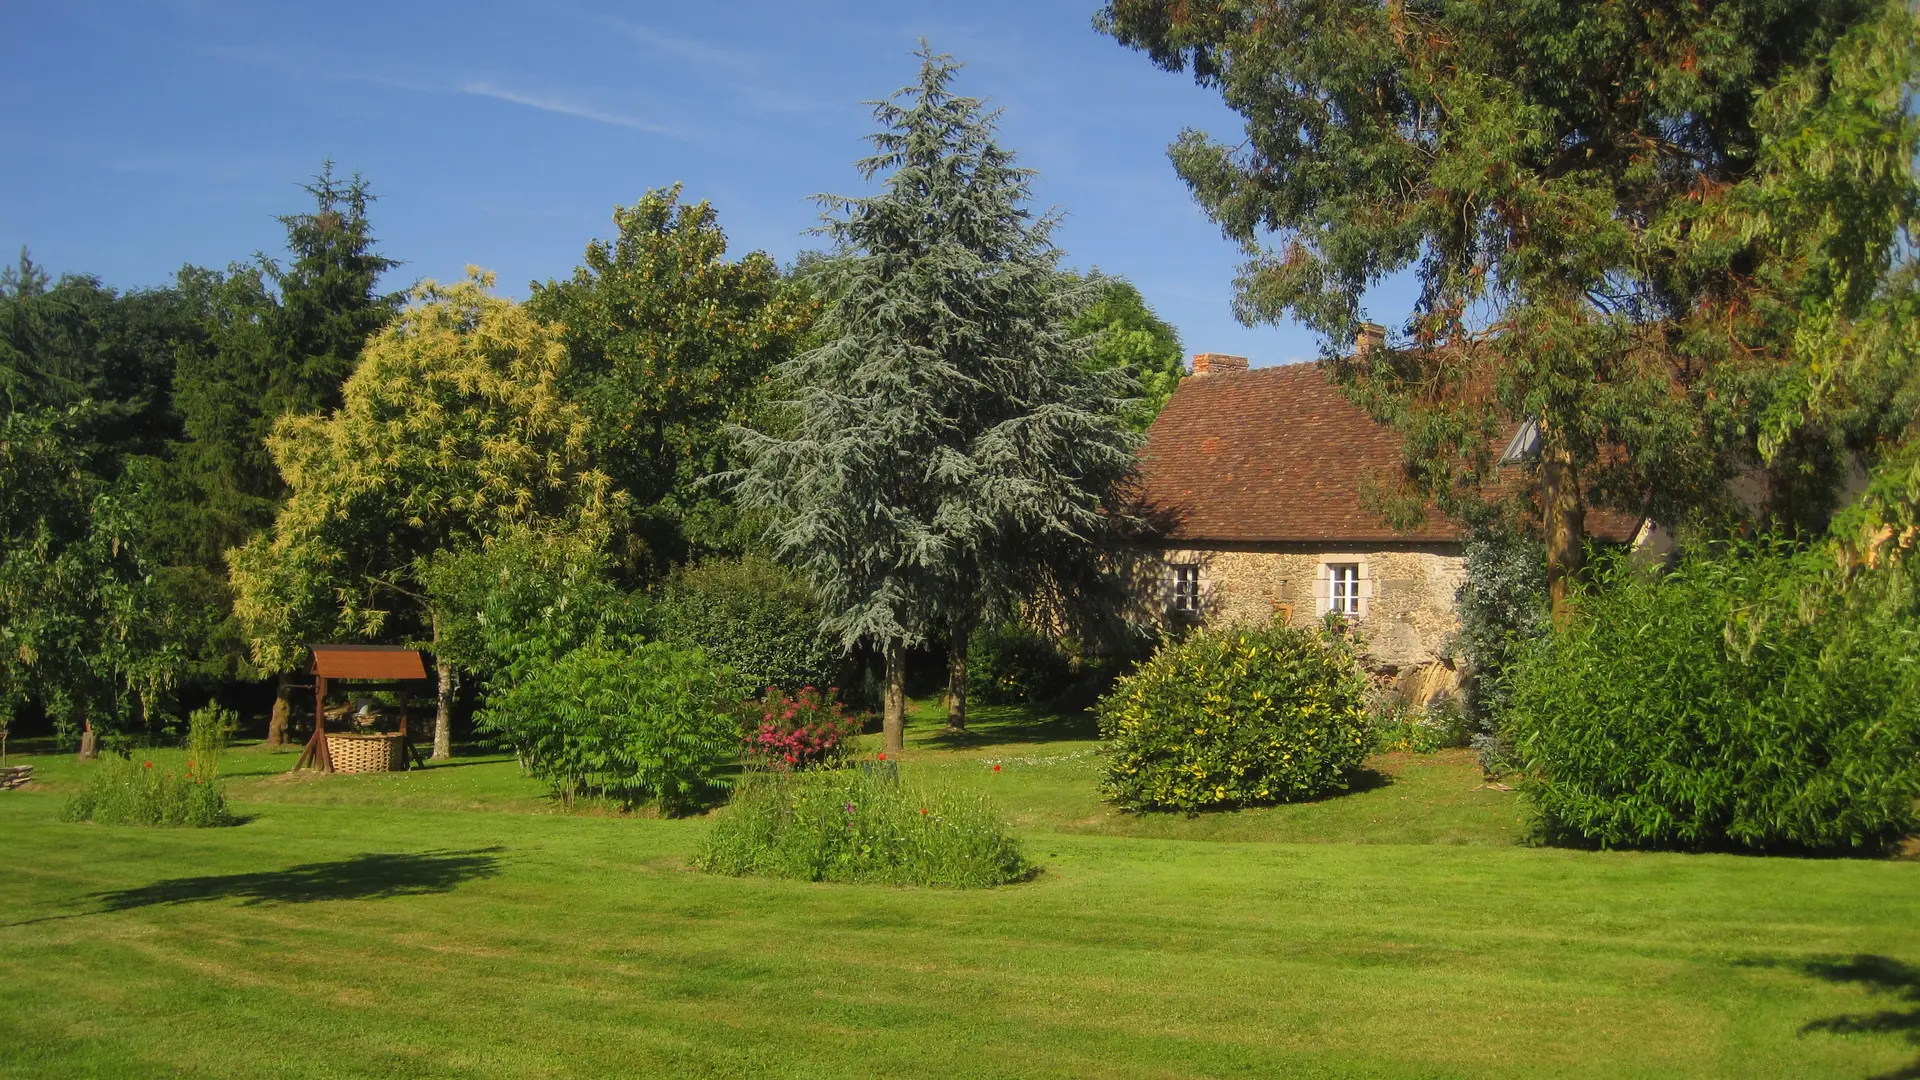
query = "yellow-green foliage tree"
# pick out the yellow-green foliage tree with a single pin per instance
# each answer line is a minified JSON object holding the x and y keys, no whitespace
{"x":453,"y":428}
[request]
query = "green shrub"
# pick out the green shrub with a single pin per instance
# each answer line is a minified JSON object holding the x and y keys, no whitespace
{"x":643,"y":723}
{"x":1010,"y":663}
{"x":130,"y":791}
{"x":752,"y":616}
{"x":1503,"y":606}
{"x":1236,"y":717}
{"x":861,"y":825}
{"x":1737,"y":702}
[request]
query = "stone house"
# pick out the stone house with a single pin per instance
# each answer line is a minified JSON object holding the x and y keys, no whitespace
{"x":1252,"y":480}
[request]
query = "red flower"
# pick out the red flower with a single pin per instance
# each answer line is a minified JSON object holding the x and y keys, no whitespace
{"x":996,"y":768}
{"x":923,"y":810}
{"x":149,"y":765}
{"x":883,"y":755}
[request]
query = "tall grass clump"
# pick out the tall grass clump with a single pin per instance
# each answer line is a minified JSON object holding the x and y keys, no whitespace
{"x":143,"y":791}
{"x":860,"y":825}
{"x":1742,"y":701}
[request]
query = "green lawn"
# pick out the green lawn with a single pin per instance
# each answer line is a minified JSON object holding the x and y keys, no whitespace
{"x":451,"y":923}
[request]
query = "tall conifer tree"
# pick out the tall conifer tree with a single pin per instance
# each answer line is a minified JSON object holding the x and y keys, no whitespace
{"x":947,"y":451}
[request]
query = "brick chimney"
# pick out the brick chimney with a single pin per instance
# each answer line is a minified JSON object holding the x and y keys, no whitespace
{"x":1371,"y":336}
{"x":1213,"y":363}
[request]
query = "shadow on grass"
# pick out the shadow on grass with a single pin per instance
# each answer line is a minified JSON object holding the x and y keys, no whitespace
{"x":372,"y":876}
{"x":1881,"y":975}
{"x":1358,"y":781}
{"x":1008,"y":724}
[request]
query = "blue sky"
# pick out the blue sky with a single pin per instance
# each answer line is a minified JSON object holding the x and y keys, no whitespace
{"x":143,"y":136}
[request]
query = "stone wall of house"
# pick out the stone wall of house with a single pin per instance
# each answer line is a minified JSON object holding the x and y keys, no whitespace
{"x":1408,"y":594}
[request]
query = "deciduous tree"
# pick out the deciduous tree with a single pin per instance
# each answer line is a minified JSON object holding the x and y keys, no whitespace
{"x":1663,"y":233}
{"x":453,"y":428}
{"x":669,"y":341}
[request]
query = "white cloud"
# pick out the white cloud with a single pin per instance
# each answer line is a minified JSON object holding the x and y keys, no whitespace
{"x":563,"y":107}
{"x":696,"y":51}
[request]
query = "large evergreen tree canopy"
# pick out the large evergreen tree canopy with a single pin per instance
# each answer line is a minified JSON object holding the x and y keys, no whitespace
{"x":948,"y":449}
{"x":278,"y":340}
{"x":1670,"y":234}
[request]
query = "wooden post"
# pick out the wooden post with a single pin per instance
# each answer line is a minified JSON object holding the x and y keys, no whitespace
{"x":317,"y":754}
{"x":323,"y":754}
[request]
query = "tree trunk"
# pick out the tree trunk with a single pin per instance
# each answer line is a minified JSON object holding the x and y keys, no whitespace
{"x":1564,"y":519}
{"x":443,"y":717}
{"x":957,"y":679}
{"x":89,"y":743}
{"x":282,"y":712}
{"x":893,"y":720}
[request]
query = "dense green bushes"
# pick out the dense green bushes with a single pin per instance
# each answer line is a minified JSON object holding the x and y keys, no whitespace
{"x":1236,"y":717}
{"x":1503,"y":606}
{"x":635,"y":723}
{"x":752,"y":616}
{"x":861,"y":825}
{"x":1737,"y":702}
{"x":1010,"y":663}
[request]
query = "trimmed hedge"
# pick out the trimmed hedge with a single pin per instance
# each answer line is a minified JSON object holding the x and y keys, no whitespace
{"x":1737,"y":702}
{"x":1236,"y":717}
{"x":752,"y":616}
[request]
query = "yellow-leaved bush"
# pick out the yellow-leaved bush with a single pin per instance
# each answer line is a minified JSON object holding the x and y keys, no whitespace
{"x":1236,"y":717}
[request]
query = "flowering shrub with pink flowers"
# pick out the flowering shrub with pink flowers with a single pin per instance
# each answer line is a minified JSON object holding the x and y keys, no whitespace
{"x":808,"y":728}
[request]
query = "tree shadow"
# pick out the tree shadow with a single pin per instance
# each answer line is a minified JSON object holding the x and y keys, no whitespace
{"x":370,"y":876}
{"x":1881,"y":975}
{"x":995,"y":725}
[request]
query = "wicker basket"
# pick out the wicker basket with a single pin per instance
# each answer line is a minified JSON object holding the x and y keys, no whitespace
{"x":383,"y":752}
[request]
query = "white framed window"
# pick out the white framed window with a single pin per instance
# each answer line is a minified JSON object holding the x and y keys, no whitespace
{"x":1342,"y":586}
{"x":1343,"y":589}
{"x":1186,"y":588}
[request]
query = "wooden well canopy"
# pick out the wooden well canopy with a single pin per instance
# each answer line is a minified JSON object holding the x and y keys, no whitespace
{"x":356,"y":663}
{"x":381,"y":663}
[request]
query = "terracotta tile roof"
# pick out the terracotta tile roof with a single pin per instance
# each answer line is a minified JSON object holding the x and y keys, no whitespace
{"x":1277,"y":454}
